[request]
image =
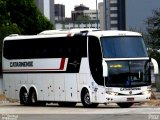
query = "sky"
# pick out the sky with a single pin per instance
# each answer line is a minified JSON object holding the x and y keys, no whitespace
{"x":136,"y":14}
{"x":137,"y":11}
{"x":70,"y":4}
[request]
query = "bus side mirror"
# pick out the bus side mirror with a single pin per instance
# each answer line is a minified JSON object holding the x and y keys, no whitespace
{"x":105,"y":69}
{"x":155,"y":65}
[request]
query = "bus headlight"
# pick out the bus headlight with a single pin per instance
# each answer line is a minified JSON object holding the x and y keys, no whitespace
{"x":146,"y":92}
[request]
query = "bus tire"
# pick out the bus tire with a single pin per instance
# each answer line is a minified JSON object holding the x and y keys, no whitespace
{"x":67,"y":104}
{"x":85,"y":99}
{"x":125,"y":105}
{"x":33,"y":98}
{"x":23,"y":97}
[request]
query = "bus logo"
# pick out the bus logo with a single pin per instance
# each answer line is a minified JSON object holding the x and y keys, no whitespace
{"x":75,"y":63}
{"x":130,"y":92}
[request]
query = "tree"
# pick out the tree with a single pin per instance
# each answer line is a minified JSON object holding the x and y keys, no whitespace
{"x":27,"y":16}
{"x":153,"y":28}
{"x":6,"y":26}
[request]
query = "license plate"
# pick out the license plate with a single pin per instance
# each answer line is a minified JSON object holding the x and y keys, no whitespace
{"x":130,"y":99}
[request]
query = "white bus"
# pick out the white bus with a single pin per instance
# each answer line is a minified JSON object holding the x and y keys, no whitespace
{"x":94,"y":67}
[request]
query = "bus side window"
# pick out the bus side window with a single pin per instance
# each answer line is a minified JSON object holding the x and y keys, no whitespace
{"x":95,"y":59}
{"x":43,"y":48}
{"x":78,"y":46}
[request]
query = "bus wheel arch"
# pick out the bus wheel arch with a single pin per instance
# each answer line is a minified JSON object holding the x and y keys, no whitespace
{"x":23,"y":95}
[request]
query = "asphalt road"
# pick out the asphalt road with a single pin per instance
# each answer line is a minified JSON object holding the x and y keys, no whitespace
{"x":14,"y":111}
{"x":80,"y":117}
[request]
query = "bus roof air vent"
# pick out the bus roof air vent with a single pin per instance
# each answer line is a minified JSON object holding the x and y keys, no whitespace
{"x":12,"y":35}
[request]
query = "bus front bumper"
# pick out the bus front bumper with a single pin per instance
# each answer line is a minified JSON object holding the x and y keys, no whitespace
{"x":127,"y":98}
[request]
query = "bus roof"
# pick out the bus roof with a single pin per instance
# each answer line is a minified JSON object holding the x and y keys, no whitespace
{"x":19,"y":37}
{"x":72,"y":32}
{"x":114,"y":33}
{"x":50,"y":33}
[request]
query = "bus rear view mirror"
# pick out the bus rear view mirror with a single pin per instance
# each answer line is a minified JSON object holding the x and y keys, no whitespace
{"x":105,"y":68}
{"x":155,"y":65}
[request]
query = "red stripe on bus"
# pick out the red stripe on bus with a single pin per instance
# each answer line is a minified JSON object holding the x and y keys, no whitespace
{"x":62,"y":64}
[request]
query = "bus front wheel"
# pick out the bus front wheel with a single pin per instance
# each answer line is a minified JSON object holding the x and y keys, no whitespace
{"x":125,"y":105}
{"x":85,"y":99}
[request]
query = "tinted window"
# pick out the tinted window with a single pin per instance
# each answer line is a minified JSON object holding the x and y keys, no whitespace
{"x":95,"y":59}
{"x":123,"y":47}
{"x":45,"y":48}
{"x":128,"y":73}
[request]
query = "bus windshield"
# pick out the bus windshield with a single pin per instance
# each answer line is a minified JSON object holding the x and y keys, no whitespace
{"x":123,"y":47}
{"x":128,"y":73}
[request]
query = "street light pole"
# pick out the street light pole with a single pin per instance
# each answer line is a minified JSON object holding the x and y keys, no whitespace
{"x":105,"y":14}
{"x":97,"y":14}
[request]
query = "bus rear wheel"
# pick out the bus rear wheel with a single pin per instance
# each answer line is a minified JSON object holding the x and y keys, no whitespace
{"x":125,"y":105}
{"x":85,"y":99}
{"x":33,"y":98}
{"x":23,"y":97}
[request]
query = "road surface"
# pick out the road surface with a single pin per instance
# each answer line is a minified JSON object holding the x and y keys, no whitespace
{"x":14,"y":111}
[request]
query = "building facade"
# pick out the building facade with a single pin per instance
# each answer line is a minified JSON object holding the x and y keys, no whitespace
{"x":71,"y":25}
{"x":59,"y":12}
{"x":101,"y":16}
{"x":78,"y":11}
{"x":112,"y":15}
{"x":91,"y":14}
{"x":47,"y":8}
